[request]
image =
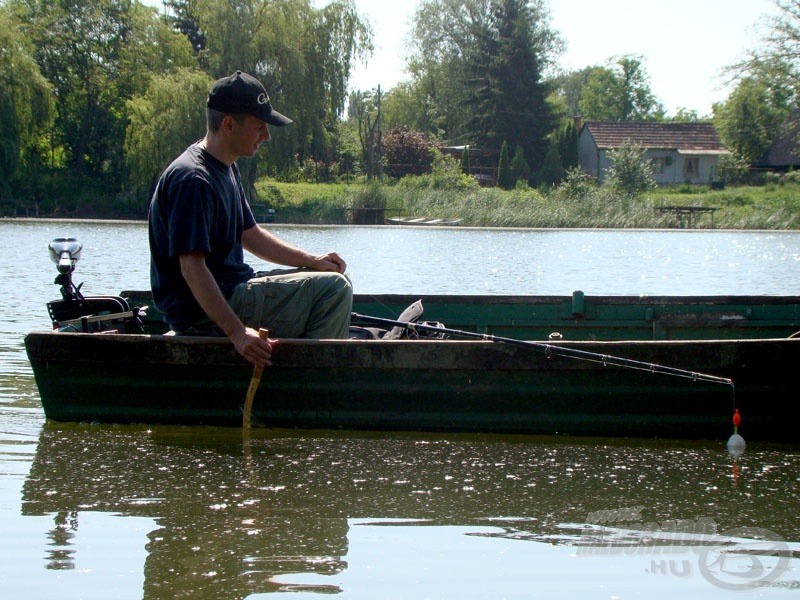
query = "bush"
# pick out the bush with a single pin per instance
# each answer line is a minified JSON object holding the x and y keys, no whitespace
{"x":406,"y":152}
{"x":732,"y":170}
{"x":445,"y":174}
{"x":577,"y":185}
{"x":630,"y":173}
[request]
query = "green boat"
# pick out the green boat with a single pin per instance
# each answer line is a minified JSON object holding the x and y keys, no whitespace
{"x":621,"y":366}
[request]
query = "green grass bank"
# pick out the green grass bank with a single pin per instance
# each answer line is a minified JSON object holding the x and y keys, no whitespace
{"x":770,"y":206}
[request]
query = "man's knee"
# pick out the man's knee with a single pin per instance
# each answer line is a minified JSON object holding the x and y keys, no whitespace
{"x":339,"y":284}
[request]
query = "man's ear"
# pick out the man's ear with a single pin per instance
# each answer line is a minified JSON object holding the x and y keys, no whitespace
{"x":227,"y":123}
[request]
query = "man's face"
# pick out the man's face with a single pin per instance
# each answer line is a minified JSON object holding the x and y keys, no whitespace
{"x":249,"y":133}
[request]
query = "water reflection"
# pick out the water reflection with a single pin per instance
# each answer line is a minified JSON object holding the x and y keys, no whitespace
{"x":234,"y":517}
{"x":225,"y":519}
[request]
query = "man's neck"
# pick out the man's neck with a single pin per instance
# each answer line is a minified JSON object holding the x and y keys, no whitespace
{"x":215,"y":148}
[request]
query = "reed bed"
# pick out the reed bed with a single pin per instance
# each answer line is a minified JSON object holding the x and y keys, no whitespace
{"x":770,"y":207}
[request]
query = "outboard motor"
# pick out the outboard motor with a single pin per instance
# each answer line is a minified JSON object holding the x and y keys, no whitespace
{"x":87,"y":314}
{"x":65,"y":252}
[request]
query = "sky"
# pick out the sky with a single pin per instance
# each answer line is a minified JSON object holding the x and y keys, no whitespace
{"x":684,"y":44}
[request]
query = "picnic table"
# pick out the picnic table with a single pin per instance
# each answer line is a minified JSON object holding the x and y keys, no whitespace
{"x":687,"y":215}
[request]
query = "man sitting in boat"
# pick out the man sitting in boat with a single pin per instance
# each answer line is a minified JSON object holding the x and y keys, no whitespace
{"x":200,"y":222}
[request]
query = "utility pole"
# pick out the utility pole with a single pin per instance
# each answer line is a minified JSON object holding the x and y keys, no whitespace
{"x":380,"y":136}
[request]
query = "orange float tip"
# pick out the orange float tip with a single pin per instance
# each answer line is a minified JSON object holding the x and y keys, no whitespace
{"x":737,"y":418}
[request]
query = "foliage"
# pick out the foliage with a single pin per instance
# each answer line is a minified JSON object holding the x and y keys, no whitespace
{"x":567,"y":89}
{"x":685,"y":115}
{"x":630,"y":173}
{"x":348,"y":150}
{"x":619,"y":92}
{"x":732,"y":170}
{"x":577,"y":202}
{"x":406,"y":152}
{"x":552,"y":172}
{"x":96,"y":54}
{"x":749,"y":119}
{"x":477,"y":67}
{"x":446,"y":174}
{"x":577,"y":184}
{"x":163,"y":122}
{"x":777,"y":58}
{"x":365,"y":111}
{"x":767,"y":87}
{"x":25,"y":102}
{"x":565,"y":139}
{"x":103,"y":93}
{"x":405,"y":104}
{"x":97,"y":59}
{"x":302,"y":202}
{"x":520,"y":170}
{"x":507,"y":95}
{"x":504,"y":176}
{"x":302,"y":56}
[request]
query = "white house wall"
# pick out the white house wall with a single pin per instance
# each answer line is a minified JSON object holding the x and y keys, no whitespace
{"x":589,"y":155}
{"x":595,"y":161}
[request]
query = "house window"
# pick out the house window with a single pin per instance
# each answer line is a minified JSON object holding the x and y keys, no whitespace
{"x":691,"y":167}
{"x":657,"y":162}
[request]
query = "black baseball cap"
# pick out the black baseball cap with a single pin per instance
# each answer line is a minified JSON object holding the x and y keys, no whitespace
{"x":241,"y":93}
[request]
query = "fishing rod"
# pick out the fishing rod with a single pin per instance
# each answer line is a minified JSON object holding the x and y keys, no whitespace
{"x":550,"y":349}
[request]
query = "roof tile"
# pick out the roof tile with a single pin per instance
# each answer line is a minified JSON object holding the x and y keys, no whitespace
{"x":672,"y":136}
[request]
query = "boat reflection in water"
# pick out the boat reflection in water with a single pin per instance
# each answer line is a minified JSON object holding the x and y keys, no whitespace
{"x":266,"y":513}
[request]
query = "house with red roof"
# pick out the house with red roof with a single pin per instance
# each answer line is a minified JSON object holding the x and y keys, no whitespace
{"x":679,"y":152}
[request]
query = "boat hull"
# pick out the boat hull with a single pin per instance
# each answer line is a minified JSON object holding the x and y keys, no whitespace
{"x":438,"y":385}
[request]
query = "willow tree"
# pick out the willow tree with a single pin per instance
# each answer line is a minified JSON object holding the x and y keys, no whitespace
{"x":96,"y":54}
{"x":302,"y":55}
{"x":162,"y":123}
{"x":25,"y":102}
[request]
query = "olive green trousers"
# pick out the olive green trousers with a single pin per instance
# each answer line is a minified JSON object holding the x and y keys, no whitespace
{"x":296,"y":303}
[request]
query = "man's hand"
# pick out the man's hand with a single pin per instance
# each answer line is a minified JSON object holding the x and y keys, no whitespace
{"x":273,"y":249}
{"x":253,"y":348}
{"x":329,"y":262}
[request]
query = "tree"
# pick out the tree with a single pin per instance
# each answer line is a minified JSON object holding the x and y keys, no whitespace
{"x":465,"y":164}
{"x":25,"y":101}
{"x":479,"y":64}
{"x":508,"y":97}
{"x":504,"y":175}
{"x":552,"y":171}
{"x":365,"y":110}
{"x":685,"y":115}
{"x":630,"y":173}
{"x":565,"y":140}
{"x":619,"y":92}
{"x":163,"y":122}
{"x":767,"y":87}
{"x":520,"y":169}
{"x":406,"y":152}
{"x":95,"y":54}
{"x":404,"y":104}
{"x":567,"y":89}
{"x":749,"y":119}
{"x":780,"y":42}
{"x":303,"y":56}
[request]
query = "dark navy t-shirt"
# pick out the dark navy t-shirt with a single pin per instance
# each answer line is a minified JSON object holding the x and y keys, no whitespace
{"x":199,"y":205}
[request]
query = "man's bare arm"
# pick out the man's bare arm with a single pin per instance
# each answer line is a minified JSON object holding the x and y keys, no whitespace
{"x":210,"y":298}
{"x":269,"y":247}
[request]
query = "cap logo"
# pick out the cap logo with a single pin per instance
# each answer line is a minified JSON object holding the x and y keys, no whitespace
{"x":263,"y":98}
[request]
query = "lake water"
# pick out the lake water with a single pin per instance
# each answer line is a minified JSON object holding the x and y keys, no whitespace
{"x":120,"y":512}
